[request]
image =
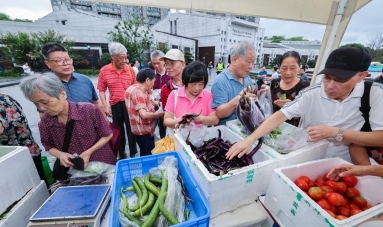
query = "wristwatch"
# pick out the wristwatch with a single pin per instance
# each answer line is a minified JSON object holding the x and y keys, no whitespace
{"x":339,"y":136}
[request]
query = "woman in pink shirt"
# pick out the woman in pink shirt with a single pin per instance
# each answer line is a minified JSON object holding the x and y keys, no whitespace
{"x":191,"y":98}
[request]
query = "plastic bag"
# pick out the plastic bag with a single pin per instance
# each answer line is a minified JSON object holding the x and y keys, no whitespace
{"x":93,"y":169}
{"x":287,"y":143}
{"x":156,"y":94}
{"x":249,"y":114}
{"x":197,"y":132}
{"x":266,"y":103}
{"x":163,"y":145}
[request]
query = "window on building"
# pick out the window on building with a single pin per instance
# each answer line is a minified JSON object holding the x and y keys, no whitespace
{"x":187,"y":49}
{"x":171,"y":27}
{"x":63,"y":22}
{"x":175,"y":27}
{"x":174,"y":46}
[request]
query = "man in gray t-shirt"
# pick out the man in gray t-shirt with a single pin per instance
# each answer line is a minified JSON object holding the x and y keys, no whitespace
{"x":303,"y":75}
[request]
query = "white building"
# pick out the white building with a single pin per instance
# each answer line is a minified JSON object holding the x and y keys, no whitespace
{"x":216,"y":35}
{"x":308,"y":50}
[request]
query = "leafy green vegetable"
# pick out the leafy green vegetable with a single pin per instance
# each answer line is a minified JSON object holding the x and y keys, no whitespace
{"x":273,"y":134}
{"x":283,"y":97}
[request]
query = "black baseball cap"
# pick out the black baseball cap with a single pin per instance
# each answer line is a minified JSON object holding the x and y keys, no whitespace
{"x":345,"y":62}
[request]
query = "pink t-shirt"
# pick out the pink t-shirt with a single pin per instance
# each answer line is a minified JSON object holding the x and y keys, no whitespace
{"x":184,"y":105}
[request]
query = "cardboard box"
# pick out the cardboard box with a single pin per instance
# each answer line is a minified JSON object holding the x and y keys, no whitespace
{"x":20,"y":214}
{"x":313,"y":151}
{"x":232,"y":190}
{"x":293,"y":207}
{"x":18,"y":175}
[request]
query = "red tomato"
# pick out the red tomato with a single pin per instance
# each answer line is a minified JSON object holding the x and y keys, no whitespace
{"x":319,"y":181}
{"x":330,"y":212}
{"x":326,"y":188}
{"x":341,"y":210}
{"x":340,"y":217}
{"x":342,"y":187}
{"x":335,"y":198}
{"x":325,"y":177}
{"x":324,"y":204}
{"x":302,"y":184}
{"x":355,"y":211}
{"x":346,"y":202}
{"x":352,"y":192}
{"x":366,"y":207}
{"x":332,"y":184}
{"x":333,"y":209}
{"x":350,"y":181}
{"x":353,"y":206}
{"x":305,"y":178}
{"x":311,"y":184}
{"x":316,"y":193}
{"x":359,"y":201}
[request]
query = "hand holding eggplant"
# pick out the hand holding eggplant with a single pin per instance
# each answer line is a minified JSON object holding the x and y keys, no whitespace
{"x":187,"y":119}
{"x":240,"y":149}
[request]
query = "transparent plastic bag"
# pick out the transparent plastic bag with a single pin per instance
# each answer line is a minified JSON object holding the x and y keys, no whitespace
{"x":124,"y":221}
{"x":197,"y":135}
{"x":250,"y":115}
{"x":266,"y":103}
{"x":93,"y":169}
{"x":287,"y":143}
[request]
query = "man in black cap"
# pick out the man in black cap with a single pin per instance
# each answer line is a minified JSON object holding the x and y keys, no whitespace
{"x":330,"y":110}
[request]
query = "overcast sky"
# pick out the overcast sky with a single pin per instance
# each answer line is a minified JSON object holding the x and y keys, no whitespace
{"x":365,"y":24}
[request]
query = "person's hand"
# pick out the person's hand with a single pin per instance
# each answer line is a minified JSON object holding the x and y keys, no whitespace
{"x":108,"y":111}
{"x":200,"y":119}
{"x":65,"y":158}
{"x":264,"y":88}
{"x":346,"y":170}
{"x":239,"y":149}
{"x":319,"y":132}
{"x":85,"y":156}
{"x":280,"y":103}
{"x":160,"y":114}
{"x":1,"y":128}
{"x":155,"y":103}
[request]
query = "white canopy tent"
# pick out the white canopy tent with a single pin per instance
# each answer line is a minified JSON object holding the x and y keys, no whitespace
{"x":335,"y":14}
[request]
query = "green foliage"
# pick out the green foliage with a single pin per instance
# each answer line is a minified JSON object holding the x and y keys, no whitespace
{"x":23,"y":20}
{"x":353,"y":45}
{"x":88,"y":72}
{"x":375,"y":46}
{"x":188,"y":57}
{"x":162,"y":47}
{"x":23,"y":47}
{"x":279,"y":38}
{"x":134,"y":35}
{"x":4,"y":16}
{"x":14,"y":72}
{"x":275,"y":62}
{"x":296,"y":38}
{"x":104,"y":60}
{"x":311,"y":63}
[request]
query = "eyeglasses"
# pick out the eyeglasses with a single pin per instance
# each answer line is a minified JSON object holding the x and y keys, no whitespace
{"x":62,"y":61}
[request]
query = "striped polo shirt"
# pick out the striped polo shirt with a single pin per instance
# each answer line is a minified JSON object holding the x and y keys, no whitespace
{"x":117,"y":83}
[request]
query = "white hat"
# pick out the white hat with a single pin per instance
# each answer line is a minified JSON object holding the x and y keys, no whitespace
{"x":175,"y":55}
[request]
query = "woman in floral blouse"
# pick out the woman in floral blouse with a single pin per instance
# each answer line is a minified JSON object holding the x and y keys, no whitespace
{"x":15,"y":131}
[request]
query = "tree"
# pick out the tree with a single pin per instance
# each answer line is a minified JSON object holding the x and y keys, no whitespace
{"x":353,"y":45}
{"x":104,"y":59}
{"x":23,"y":20}
{"x":162,"y":47}
{"x":312,"y":63}
{"x":188,"y":57}
{"x":296,"y":38}
{"x":375,"y":46}
{"x":277,"y":39}
{"x":135,"y":35}
{"x":4,"y":16}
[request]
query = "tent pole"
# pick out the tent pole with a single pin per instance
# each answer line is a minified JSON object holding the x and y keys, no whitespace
{"x":328,"y":41}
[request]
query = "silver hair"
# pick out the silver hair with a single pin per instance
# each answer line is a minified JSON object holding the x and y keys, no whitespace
{"x":157,"y":54}
{"x":116,"y":48}
{"x":241,"y":48}
{"x":48,"y":83}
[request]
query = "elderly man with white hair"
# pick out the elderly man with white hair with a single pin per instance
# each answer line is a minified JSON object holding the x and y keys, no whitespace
{"x":230,"y":83}
{"x":117,"y":77}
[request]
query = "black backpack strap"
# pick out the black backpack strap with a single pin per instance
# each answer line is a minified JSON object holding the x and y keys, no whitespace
{"x":365,"y":106}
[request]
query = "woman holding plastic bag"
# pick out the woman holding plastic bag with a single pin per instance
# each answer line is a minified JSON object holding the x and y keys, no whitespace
{"x":191,"y":102}
{"x":288,"y":86}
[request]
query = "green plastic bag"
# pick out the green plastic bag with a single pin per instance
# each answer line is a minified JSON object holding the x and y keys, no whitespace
{"x":47,"y":170}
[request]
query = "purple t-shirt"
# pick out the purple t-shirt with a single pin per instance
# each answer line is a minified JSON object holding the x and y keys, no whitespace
{"x":89,"y":127}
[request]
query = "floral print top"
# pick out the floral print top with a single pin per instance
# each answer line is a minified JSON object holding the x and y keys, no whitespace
{"x":16,"y":128}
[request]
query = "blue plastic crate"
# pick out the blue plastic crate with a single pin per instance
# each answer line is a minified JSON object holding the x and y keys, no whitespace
{"x":127,"y":169}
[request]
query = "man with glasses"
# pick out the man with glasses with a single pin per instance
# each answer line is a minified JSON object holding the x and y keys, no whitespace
{"x":333,"y":109}
{"x":79,"y":88}
{"x":117,"y":77}
{"x":162,"y":78}
{"x":174,"y":65}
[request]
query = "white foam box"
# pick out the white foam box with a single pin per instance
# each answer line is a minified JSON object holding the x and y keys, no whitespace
{"x":18,"y":175}
{"x":313,"y":151}
{"x":20,"y":214}
{"x":293,"y":207}
{"x":232,"y":190}
{"x":270,"y":221}
{"x":249,"y":215}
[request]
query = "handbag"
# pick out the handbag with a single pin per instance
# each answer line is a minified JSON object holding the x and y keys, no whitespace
{"x":115,"y":141}
{"x":59,"y":171}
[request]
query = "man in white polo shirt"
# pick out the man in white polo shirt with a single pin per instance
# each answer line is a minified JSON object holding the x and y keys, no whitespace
{"x":330,"y":110}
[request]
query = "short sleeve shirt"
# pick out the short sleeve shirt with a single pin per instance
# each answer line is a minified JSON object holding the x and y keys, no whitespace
{"x":185,"y":105}
{"x":89,"y":127}
{"x":136,"y":99}
{"x":379,"y":79}
{"x":315,"y":108}
{"x":116,"y":82}
{"x":80,"y":89}
{"x":225,"y":88}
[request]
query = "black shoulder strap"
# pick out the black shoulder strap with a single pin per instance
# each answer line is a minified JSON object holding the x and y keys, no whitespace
{"x":365,"y":106}
{"x":68,"y":134}
{"x":168,"y":85}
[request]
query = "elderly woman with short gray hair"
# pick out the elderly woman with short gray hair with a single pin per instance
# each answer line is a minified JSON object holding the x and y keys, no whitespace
{"x":91,"y":132}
